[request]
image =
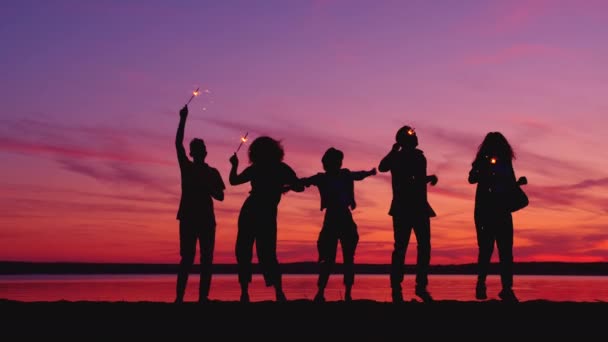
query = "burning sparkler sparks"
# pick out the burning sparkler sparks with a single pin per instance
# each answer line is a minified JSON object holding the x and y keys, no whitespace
{"x":194,"y":94}
{"x":243,"y":140}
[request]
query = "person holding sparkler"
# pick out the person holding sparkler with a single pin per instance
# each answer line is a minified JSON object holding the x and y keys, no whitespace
{"x":200,"y":184}
{"x":410,"y":210}
{"x":492,"y":171}
{"x":336,"y":187}
{"x":270,"y":177}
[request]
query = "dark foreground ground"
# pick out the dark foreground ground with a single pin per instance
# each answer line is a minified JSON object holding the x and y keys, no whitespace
{"x":304,"y":320}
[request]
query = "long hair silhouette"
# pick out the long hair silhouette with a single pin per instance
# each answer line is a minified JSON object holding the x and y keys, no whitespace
{"x":264,"y":150}
{"x":495,"y":144}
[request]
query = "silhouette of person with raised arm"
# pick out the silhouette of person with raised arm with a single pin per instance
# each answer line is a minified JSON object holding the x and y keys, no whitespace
{"x":200,"y":184}
{"x":492,"y":171}
{"x":270,"y":177}
{"x":410,"y":210}
{"x":336,"y":187}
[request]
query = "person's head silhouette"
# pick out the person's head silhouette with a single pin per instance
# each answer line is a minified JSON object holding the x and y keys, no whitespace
{"x":332,"y":160}
{"x":265,"y":150}
{"x":198,"y":150}
{"x":495,"y":145}
{"x":406,"y":137}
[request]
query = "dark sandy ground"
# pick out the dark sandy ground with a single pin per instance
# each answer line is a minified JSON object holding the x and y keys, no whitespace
{"x":304,"y":320}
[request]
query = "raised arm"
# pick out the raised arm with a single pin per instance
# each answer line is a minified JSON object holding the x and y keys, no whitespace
{"x":179,"y":136}
{"x":361,"y":175}
{"x":235,"y":178}
{"x":387,"y":162}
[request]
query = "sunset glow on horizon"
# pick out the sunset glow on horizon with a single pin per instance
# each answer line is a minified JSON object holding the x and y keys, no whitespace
{"x":91,"y":93}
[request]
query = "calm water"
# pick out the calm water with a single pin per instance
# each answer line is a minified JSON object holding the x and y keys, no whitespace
{"x":160,"y":288}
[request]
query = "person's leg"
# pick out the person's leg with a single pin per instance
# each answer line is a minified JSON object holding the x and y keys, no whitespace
{"x":401,"y":232}
{"x":348,"y":241}
{"x":504,"y":243}
{"x":422,"y":229}
{"x":266,"y":247}
{"x":244,"y":251}
{"x":206,"y":248}
{"x":187,"y":252}
{"x":327,"y":243}
{"x":485,"y":245}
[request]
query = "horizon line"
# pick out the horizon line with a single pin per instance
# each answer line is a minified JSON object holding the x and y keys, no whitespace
{"x":285,"y":263}
{"x":520,"y":268}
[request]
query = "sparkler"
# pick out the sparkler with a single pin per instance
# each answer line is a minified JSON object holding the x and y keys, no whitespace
{"x":243,"y":140}
{"x":194,"y":94}
{"x":492,"y":160}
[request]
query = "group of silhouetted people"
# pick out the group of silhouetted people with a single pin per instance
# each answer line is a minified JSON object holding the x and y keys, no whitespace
{"x":270,"y":178}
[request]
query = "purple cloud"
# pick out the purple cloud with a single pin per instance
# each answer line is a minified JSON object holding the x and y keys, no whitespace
{"x":119,"y":174}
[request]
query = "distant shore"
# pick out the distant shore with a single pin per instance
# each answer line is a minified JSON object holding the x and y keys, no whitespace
{"x":304,"y":320}
{"x":530,"y":268}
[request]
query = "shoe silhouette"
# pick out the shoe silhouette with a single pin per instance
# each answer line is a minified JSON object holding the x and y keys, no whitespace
{"x":424,"y":295}
{"x":507,"y":295}
{"x":480,"y":291}
{"x":244,"y":298}
{"x":280,"y":296}
{"x":397,"y":296}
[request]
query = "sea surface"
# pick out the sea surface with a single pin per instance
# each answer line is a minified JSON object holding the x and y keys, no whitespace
{"x":161,"y":288}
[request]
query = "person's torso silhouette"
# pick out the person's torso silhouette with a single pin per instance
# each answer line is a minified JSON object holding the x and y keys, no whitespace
{"x":495,"y":178}
{"x":336,"y":190}
{"x":197,"y":179}
{"x":408,"y":178}
{"x":268,"y":181}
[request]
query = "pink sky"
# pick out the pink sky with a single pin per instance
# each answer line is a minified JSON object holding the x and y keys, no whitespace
{"x":90,"y":94}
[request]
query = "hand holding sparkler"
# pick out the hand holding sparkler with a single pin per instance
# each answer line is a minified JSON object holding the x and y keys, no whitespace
{"x":183,"y":113}
{"x":234,"y":160}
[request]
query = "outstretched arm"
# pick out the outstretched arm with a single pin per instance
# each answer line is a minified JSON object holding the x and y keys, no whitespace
{"x":301,"y":184}
{"x":296,"y":184}
{"x":235,"y":178}
{"x":361,"y":175}
{"x":179,"y":136}
{"x":291,"y":180}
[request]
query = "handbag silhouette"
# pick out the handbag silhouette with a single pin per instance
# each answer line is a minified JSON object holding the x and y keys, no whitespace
{"x":517,"y":199}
